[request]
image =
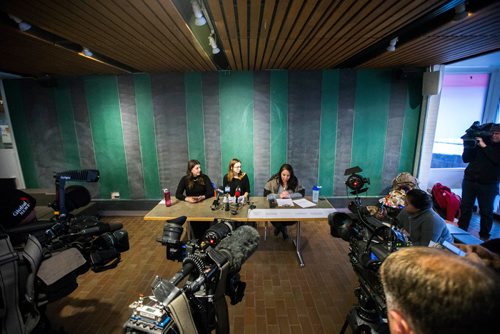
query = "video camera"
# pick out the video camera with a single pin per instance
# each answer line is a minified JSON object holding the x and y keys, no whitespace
{"x":370,"y":242}
{"x":477,"y":130}
{"x":51,"y":254}
{"x":211,"y":265}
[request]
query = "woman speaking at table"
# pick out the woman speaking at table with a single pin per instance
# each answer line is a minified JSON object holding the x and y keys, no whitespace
{"x":195,"y":187}
{"x":283,"y":184}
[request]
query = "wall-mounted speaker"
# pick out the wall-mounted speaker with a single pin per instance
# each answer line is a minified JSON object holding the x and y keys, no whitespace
{"x":431,"y":83}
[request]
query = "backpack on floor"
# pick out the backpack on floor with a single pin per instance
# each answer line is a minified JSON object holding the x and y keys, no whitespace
{"x":446,"y":202}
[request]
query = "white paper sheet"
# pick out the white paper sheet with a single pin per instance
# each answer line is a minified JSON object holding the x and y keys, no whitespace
{"x":284,"y":202}
{"x":304,"y":203}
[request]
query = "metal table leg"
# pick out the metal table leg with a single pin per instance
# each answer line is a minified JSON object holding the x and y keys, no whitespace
{"x":296,"y":243}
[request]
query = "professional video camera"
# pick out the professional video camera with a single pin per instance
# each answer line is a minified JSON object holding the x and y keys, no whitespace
{"x":370,"y":242}
{"x":477,"y":130}
{"x":212,"y":266}
{"x":49,"y":255}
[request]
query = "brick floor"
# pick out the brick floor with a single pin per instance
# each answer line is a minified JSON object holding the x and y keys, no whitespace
{"x":280,"y":296}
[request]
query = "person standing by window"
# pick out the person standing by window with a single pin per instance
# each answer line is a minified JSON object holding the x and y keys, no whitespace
{"x":480,"y":181}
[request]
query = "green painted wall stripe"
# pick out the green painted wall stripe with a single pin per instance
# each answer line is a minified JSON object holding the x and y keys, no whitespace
{"x":236,"y":120}
{"x":410,"y":126}
{"x":66,"y":120}
{"x":279,"y":119}
{"x":194,"y":110}
{"x":370,"y":124}
{"x":21,"y":131}
{"x":147,"y":138}
{"x":104,"y":110}
{"x":328,"y":130}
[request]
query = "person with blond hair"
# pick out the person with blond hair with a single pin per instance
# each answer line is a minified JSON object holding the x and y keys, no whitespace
{"x":430,"y":290}
{"x":236,"y":179}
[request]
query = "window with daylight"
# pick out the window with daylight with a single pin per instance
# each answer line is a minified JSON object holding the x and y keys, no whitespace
{"x":462,"y":103}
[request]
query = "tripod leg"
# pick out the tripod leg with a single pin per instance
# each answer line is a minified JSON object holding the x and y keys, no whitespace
{"x":344,"y":326}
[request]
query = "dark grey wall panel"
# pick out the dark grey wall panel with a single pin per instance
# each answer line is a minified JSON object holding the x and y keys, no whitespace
{"x":83,"y":130}
{"x":395,"y":122}
{"x":171,"y":128}
{"x":212,"y":127}
{"x":131,"y":136}
{"x":304,"y":114}
{"x":345,"y":122}
{"x":45,"y":135}
{"x":261,"y":132}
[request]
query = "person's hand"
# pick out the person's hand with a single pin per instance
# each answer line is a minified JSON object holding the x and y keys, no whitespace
{"x":191,"y":199}
{"x":285,"y":194}
{"x":479,"y":254}
{"x":480,"y":142}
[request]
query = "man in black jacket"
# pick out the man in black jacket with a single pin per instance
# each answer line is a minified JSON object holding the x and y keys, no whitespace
{"x":481,"y":180}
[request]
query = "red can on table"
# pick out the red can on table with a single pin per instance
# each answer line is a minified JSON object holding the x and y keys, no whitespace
{"x":166,"y":194}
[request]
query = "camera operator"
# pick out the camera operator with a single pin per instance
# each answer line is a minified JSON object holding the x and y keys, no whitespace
{"x":429,"y":290}
{"x":481,"y":179}
{"x":421,"y":222}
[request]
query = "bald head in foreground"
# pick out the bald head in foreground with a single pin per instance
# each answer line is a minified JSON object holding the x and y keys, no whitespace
{"x":430,"y":290}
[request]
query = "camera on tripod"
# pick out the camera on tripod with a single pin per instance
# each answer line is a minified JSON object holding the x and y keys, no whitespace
{"x":210,"y":271}
{"x":370,"y":242}
{"x":45,"y":257}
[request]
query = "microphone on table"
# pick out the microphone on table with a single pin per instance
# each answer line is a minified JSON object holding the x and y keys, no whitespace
{"x":237,"y":194}
{"x":215,"y":203}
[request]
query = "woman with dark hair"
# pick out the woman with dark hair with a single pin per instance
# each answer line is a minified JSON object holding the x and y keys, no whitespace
{"x":283,"y":184}
{"x":236,"y":178}
{"x":421,"y":222}
{"x":195,"y":187}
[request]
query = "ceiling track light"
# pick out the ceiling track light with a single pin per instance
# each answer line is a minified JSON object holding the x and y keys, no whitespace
{"x":392,"y":44}
{"x":198,"y":14}
{"x":213,"y":43}
{"x":87,"y":53}
{"x":23,"y":26}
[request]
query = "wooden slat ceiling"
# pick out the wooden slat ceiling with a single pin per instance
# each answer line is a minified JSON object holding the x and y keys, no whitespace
{"x":478,"y":33}
{"x":155,"y":35}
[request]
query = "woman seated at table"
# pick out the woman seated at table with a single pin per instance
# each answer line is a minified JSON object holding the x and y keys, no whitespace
{"x":283,"y":184}
{"x":236,"y":179}
{"x":421,"y":222}
{"x":195,"y":187}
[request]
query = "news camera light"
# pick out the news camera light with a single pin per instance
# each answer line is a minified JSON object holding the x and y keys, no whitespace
{"x":356,"y":182}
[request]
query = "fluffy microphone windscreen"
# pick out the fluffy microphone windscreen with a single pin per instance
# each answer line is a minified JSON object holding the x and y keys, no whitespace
{"x":239,"y":246}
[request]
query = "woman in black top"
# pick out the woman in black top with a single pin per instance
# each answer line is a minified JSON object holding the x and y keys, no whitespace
{"x":235,"y":178}
{"x":195,"y":187}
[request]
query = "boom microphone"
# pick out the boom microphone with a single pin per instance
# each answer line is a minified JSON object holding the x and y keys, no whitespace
{"x":239,"y":246}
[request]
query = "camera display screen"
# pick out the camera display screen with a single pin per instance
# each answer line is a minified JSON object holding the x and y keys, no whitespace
{"x":452,"y":248}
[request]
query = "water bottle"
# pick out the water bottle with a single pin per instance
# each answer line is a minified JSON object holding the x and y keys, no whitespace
{"x":315,"y":197}
{"x":166,"y":194}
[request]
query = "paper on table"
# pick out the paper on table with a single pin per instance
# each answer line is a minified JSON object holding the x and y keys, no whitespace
{"x":304,"y":203}
{"x":284,"y":202}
